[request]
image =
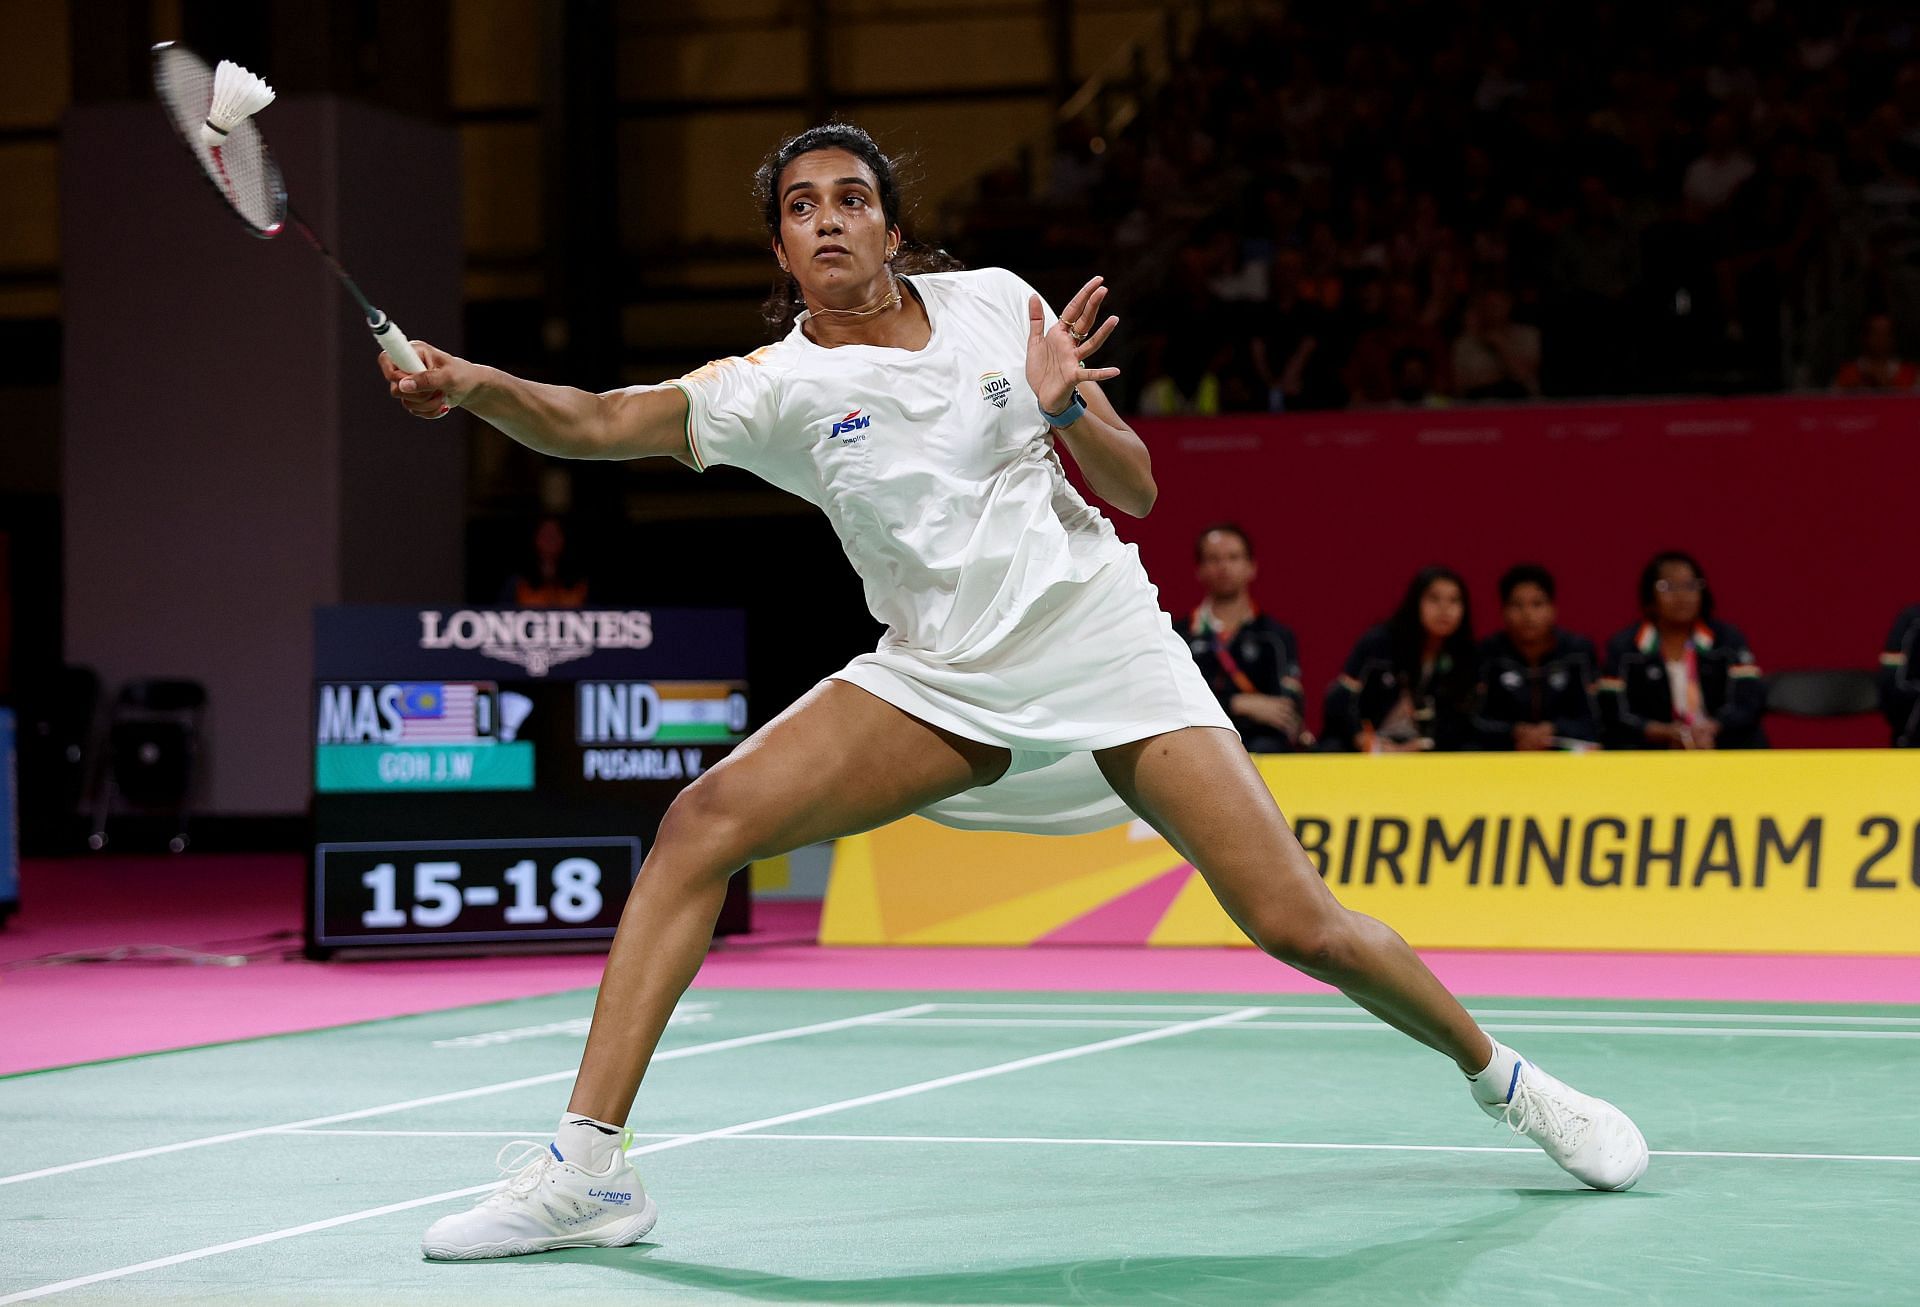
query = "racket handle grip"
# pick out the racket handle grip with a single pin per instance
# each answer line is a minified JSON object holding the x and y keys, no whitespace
{"x":395,"y":345}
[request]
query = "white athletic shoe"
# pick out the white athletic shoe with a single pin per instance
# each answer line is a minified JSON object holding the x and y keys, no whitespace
{"x":545,"y":1203}
{"x":1590,"y":1138}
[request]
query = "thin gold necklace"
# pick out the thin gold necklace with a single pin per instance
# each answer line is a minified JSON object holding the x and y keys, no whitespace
{"x":891,"y":296}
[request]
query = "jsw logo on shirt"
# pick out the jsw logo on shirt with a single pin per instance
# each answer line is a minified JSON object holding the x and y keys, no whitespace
{"x":854,"y":421}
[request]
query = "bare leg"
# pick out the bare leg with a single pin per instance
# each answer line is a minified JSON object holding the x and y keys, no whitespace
{"x":1198,"y":788}
{"x":837,"y":762}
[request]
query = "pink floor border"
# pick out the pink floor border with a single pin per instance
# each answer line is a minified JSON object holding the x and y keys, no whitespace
{"x":62,"y":1015}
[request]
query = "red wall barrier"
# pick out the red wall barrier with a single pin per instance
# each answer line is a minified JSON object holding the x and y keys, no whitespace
{"x":1802,"y":510}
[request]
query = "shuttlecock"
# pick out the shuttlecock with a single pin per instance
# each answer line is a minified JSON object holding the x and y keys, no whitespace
{"x":237,"y":96}
{"x":513,"y":713}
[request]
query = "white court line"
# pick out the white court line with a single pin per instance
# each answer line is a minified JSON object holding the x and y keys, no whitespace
{"x":1047,"y":1023}
{"x":959,"y":1078}
{"x":529,"y":1133}
{"x":1367,"y":1024}
{"x":677,"y":1141}
{"x":1322,"y":1009}
{"x":158,"y":1263}
{"x":1726,"y":1032}
{"x":1518,"y":1150}
{"x":1143,"y":1143}
{"x":504,"y":1086}
{"x":1730,"y":1018}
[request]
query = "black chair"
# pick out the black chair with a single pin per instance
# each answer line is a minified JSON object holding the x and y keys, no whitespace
{"x":1836,"y":692}
{"x":153,"y":755}
{"x":58,"y":720}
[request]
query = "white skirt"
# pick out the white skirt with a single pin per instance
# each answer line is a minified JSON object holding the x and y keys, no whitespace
{"x":1094,"y":665}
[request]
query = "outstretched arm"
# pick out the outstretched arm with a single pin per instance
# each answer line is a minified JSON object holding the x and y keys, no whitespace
{"x":642,"y":422}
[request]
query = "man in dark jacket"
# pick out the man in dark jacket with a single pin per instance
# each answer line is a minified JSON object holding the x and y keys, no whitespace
{"x":1681,"y":678}
{"x":1251,"y":662}
{"x":1536,"y":681}
{"x":1900,"y":680}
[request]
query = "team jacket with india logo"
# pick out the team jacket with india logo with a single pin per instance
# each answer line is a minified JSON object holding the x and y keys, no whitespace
{"x":1634,"y":689}
{"x":1900,"y":679}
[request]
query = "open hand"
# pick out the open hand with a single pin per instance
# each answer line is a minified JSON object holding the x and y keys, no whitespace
{"x":1056,"y":357}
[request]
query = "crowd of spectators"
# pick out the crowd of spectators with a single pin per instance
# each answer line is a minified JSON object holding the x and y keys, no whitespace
{"x":1679,"y":677}
{"x":1410,"y":202}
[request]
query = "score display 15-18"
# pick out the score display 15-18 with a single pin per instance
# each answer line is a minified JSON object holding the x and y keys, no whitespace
{"x":438,"y":895}
{"x":472,"y":889}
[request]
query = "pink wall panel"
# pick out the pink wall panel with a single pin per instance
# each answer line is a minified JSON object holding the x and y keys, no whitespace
{"x":1803,"y":511}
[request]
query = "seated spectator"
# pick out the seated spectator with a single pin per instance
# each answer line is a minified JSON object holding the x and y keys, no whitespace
{"x":1251,"y":661}
{"x":1075,"y":167}
{"x":1181,"y":380}
{"x":1371,"y":372}
{"x":1879,"y":366}
{"x":1496,"y":357}
{"x":1536,"y":681}
{"x":1595,"y":266}
{"x":1900,"y":680}
{"x":1292,"y":342}
{"x":1413,"y":380}
{"x":549,"y":577}
{"x":1720,"y":170}
{"x":1681,"y":678}
{"x":1409,"y":682}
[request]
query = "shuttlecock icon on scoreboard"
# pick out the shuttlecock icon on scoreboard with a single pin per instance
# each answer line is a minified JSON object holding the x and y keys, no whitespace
{"x":513,"y":712}
{"x":237,"y":96}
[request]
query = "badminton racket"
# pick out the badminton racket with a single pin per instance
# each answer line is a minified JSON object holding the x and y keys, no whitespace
{"x":212,"y":114}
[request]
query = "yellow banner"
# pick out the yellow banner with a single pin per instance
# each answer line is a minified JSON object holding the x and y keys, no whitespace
{"x":1801,"y":852}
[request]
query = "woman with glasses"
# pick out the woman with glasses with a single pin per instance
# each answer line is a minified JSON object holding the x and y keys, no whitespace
{"x":1681,"y":678}
{"x":1900,"y":679}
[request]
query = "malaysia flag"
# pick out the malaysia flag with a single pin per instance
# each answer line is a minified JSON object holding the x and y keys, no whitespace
{"x":435,"y":713}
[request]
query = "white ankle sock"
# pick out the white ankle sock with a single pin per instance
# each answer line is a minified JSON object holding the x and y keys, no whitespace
{"x":1495,"y":1081}
{"x":589,"y":1144}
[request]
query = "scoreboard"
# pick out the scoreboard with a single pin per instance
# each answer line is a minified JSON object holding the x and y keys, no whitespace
{"x":494,"y":777}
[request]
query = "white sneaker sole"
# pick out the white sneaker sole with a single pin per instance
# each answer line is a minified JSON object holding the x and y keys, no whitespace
{"x":616,"y":1235}
{"x":1638,"y":1171}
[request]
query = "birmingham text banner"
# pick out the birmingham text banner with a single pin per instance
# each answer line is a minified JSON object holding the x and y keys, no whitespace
{"x":1788,"y":852}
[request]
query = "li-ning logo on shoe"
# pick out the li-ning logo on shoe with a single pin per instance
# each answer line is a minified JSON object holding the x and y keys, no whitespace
{"x":618,"y":1197}
{"x":848,"y":426}
{"x":995,"y":388}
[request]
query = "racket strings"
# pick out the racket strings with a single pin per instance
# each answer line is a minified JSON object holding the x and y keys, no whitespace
{"x":240,"y":167}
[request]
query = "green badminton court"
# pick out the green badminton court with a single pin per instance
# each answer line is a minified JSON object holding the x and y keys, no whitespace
{"x":840,"y":1147}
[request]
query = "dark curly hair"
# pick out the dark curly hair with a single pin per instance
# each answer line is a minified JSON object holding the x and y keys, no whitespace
{"x":783,"y":304}
{"x":1650,"y":580}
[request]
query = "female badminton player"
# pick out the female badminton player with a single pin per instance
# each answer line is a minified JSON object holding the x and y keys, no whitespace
{"x":1027,"y":680}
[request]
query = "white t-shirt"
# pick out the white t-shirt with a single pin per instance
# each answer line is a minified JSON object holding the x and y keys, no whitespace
{"x":934,"y":466}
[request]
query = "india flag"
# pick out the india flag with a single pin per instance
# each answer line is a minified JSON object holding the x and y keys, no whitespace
{"x":701,"y":712}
